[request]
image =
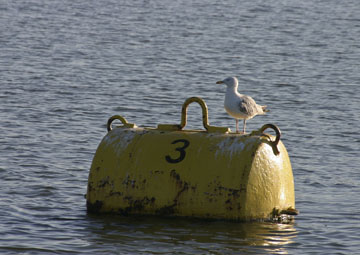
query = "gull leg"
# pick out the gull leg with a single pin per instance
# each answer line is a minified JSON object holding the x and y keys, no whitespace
{"x":244,"y":126}
{"x":237,"y":125}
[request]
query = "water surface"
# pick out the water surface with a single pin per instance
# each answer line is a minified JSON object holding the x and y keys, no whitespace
{"x":67,"y":66}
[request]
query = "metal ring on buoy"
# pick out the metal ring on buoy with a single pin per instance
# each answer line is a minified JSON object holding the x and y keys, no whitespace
{"x":115,"y":117}
{"x":203,"y":107}
{"x":277,"y":139}
{"x":210,"y":129}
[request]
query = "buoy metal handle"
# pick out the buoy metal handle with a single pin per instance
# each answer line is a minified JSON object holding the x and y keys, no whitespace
{"x":183,"y":122}
{"x":277,"y":139}
{"x":123,"y":121}
{"x":204,"y":111}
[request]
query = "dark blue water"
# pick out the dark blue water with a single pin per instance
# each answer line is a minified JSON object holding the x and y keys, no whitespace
{"x":67,"y":66}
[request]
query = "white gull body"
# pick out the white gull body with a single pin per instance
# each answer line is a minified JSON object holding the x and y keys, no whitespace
{"x":238,"y":105}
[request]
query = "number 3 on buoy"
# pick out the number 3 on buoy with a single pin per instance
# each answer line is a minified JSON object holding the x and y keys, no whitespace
{"x":181,"y":150}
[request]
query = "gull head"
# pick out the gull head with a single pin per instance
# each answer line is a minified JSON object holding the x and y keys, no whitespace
{"x":230,"y":82}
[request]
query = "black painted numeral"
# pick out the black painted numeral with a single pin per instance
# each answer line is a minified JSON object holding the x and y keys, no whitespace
{"x":181,"y":150}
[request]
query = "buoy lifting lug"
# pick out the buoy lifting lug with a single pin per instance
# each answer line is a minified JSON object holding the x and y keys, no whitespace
{"x":201,"y":102}
{"x":123,"y":121}
{"x":277,"y":139}
{"x":204,"y":111}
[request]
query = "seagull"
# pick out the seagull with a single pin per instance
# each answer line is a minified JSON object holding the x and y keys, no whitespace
{"x":238,"y":105}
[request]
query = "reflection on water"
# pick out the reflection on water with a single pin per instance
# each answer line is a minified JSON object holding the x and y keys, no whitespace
{"x":158,"y":235}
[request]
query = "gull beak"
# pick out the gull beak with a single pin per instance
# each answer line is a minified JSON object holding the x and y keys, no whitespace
{"x":219,"y":82}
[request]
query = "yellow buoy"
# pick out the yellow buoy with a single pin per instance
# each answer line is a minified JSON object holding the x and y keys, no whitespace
{"x":206,"y":174}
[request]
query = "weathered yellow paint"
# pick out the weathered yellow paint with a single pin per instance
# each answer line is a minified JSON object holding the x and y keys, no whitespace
{"x":205,"y":174}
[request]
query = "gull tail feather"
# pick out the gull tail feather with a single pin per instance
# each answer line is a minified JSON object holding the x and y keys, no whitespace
{"x":263,"y":107}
